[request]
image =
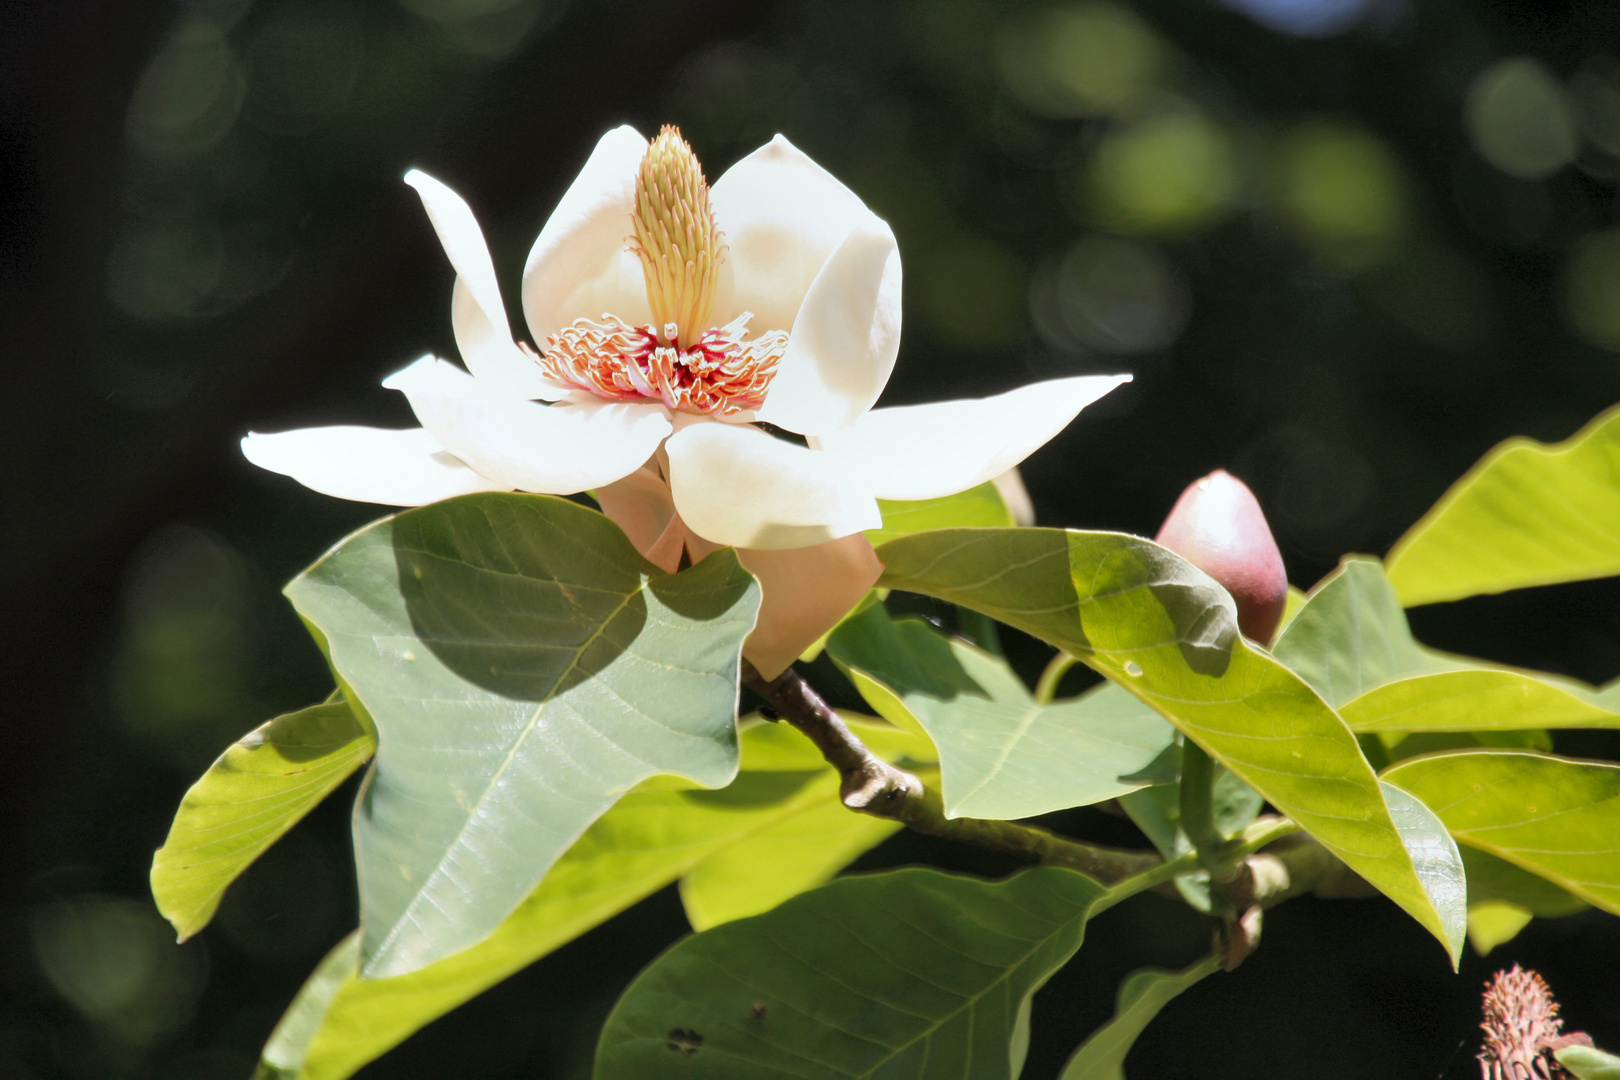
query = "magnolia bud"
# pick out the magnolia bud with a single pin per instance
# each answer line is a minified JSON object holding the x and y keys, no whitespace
{"x":1217,"y":526}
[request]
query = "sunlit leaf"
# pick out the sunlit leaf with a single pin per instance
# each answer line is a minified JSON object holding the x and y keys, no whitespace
{"x":1161,"y":628}
{"x":525,"y":667}
{"x":288,"y":1047}
{"x":1475,"y":701}
{"x":981,"y":506}
{"x":1002,"y":755}
{"x":800,"y":852}
{"x":1439,"y":865}
{"x":1552,"y":816}
{"x":1141,"y":996}
{"x":1588,"y":1063}
{"x":257,"y":790}
{"x":1495,"y":922}
{"x":1351,"y":635}
{"x":1351,"y":642}
{"x":661,"y":830}
{"x":1526,"y":514}
{"x":914,"y":974}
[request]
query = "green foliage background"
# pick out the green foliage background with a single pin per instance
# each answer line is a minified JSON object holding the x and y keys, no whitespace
{"x":204,"y":230}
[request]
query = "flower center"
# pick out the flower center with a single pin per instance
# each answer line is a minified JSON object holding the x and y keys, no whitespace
{"x":680,"y":359}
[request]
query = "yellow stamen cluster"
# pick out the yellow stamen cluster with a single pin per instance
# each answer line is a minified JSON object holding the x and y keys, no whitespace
{"x":679,"y":245}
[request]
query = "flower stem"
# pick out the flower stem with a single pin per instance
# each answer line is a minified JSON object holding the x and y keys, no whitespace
{"x":873,"y":786}
{"x":1198,"y":810}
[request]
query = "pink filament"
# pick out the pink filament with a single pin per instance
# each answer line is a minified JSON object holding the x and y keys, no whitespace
{"x":722,"y":373}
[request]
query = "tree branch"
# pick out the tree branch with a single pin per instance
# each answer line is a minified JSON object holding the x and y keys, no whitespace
{"x":873,"y":786}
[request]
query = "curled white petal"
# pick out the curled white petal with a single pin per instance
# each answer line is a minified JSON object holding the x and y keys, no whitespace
{"x":476,"y":312}
{"x":579,"y":267}
{"x":844,"y":339}
{"x":552,"y":449}
{"x":739,"y":486}
{"x":928,"y":451}
{"x":366,"y":464}
{"x":782,"y":216}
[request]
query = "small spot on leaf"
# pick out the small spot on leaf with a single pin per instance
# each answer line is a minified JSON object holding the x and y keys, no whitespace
{"x":757,"y":1011}
{"x":684,"y":1041}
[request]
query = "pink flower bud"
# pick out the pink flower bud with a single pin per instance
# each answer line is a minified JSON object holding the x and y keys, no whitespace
{"x":1217,"y":526}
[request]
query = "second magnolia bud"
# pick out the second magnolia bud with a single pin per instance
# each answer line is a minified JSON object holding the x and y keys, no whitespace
{"x":1217,"y":525}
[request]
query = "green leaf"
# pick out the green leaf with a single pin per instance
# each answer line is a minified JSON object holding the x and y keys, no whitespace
{"x":1495,"y":922}
{"x":1141,"y":996}
{"x":525,"y":667}
{"x":913,"y":974}
{"x":798,"y":853}
{"x":1351,"y":635}
{"x":1552,"y":816}
{"x":288,"y":1047}
{"x":1157,"y":625}
{"x":1484,"y":700}
{"x":1439,"y":865}
{"x":1001,"y":754}
{"x":979,"y":507}
{"x":258,"y":789}
{"x":1493,"y":880}
{"x":1526,"y":514}
{"x":659,"y":831}
{"x":1351,"y":642}
{"x":1588,"y":1063}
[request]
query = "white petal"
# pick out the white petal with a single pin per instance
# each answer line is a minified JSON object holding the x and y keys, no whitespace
{"x":782,"y":215}
{"x":927,"y":451}
{"x":739,"y":486}
{"x":845,"y":338}
{"x":579,"y":266}
{"x":366,"y":464}
{"x":476,"y":312}
{"x":553,"y":449}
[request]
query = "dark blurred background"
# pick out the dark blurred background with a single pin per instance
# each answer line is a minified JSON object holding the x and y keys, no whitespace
{"x":1344,"y":245}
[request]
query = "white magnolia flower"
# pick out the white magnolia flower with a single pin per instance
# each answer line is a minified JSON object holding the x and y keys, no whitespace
{"x":671,"y":318}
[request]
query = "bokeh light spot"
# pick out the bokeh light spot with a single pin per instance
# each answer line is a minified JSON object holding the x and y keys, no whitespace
{"x":189,"y":95}
{"x":178,"y":678}
{"x":1592,"y":289}
{"x":164,"y":270}
{"x":1082,"y":60}
{"x":1343,"y":191}
{"x":1110,"y":295}
{"x":1303,"y":18}
{"x":1596,"y":88}
{"x":1171,"y":173}
{"x":116,"y":961}
{"x":1520,"y":119}
{"x":484,"y":29}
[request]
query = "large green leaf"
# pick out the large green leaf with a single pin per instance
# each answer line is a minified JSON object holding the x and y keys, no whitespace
{"x":656,"y":833}
{"x":1494,"y":880}
{"x":913,"y":974}
{"x":1552,"y":816}
{"x":1526,"y":514}
{"x":1160,"y":627}
{"x":525,"y":667}
{"x":1002,"y":755}
{"x":258,"y":789}
{"x":285,"y":1052}
{"x":1351,"y":635}
{"x":981,"y":507}
{"x":1141,"y":996}
{"x":1483,"y":700}
{"x":1351,"y":642}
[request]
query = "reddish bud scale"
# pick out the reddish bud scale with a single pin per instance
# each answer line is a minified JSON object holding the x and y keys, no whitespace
{"x":1217,"y":525}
